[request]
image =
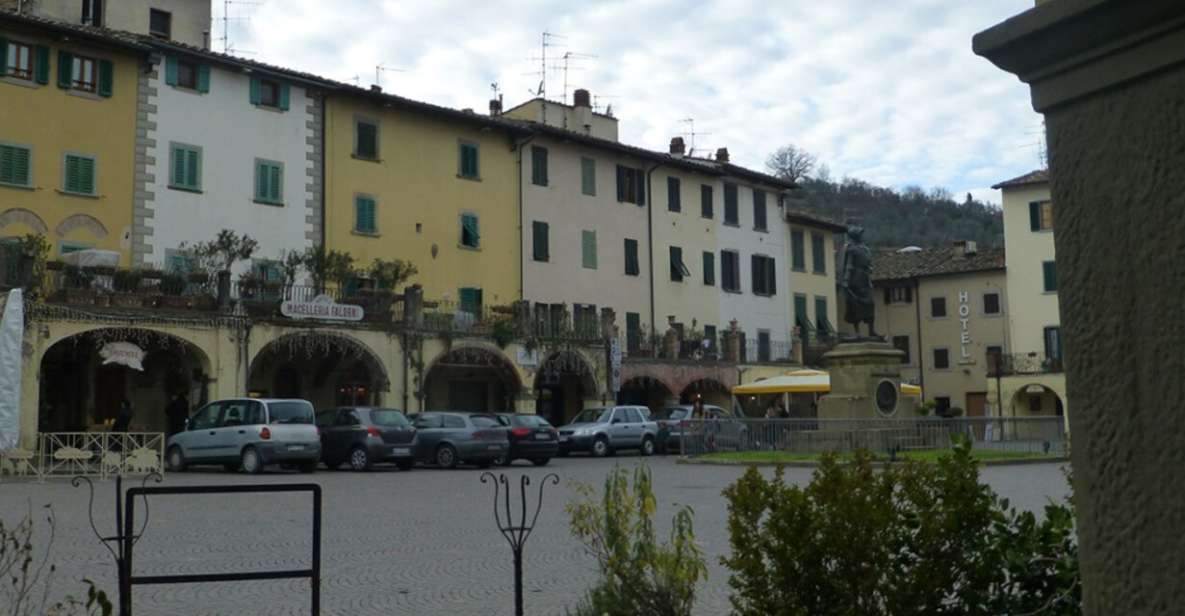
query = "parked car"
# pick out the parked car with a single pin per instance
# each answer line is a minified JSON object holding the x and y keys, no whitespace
{"x":719,"y":429}
{"x":447,"y":439}
{"x":531,"y":438}
{"x":247,"y":434}
{"x":364,"y":436}
{"x":602,"y":431}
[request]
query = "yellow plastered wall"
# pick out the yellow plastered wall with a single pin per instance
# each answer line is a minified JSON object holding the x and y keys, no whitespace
{"x":420,"y":198}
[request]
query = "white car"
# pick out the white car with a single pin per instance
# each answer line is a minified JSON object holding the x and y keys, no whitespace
{"x":248,"y":434}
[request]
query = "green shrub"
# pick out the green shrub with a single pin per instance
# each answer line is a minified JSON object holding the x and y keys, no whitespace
{"x":638,"y":575}
{"x":915,"y":538}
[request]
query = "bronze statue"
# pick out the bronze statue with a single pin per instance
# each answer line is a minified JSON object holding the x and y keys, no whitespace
{"x":857,"y":282}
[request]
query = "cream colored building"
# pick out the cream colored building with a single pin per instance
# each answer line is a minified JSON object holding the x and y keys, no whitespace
{"x":811,"y":262}
{"x":1032,"y":380}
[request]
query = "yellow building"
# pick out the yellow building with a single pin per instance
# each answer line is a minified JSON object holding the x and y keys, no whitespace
{"x":435,"y":186}
{"x":70,"y":176}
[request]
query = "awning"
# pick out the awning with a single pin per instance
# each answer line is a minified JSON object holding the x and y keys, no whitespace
{"x":796,"y":382}
{"x":909,"y":389}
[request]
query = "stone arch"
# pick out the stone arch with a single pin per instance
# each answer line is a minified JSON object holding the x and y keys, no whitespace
{"x":81,"y":221}
{"x":1037,"y":399}
{"x":316,"y":365}
{"x":19,"y":215}
{"x":647,"y":390}
{"x":470,"y":377}
{"x":564,"y":380}
{"x":710,"y":390}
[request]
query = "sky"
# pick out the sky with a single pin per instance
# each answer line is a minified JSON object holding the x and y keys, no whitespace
{"x":886,"y":92}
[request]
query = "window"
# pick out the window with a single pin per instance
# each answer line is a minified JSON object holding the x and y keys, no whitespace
{"x":584,"y":319}
{"x":759,"y":222}
{"x":1034,"y":403}
{"x":588,"y":176}
{"x":763,"y":351}
{"x":365,"y":219}
{"x":453,"y":422}
{"x":1041,"y":216}
{"x":731,"y":216}
{"x":730,"y":271}
{"x":633,"y":332}
{"x":763,"y":275}
{"x":991,"y":303}
{"x":92,"y":13}
{"x":160,"y":23}
{"x":941,"y":359}
{"x":15,"y":169}
{"x":269,"y":93}
{"x":82,"y":75}
{"x":901,"y":343}
{"x":470,"y":238}
{"x":709,"y":268}
{"x":23,"y":61}
{"x":705,"y":201}
{"x":538,"y":165}
{"x":467,"y":165}
{"x":1049,"y":276}
{"x":822,"y":323}
{"x":802,"y":320}
{"x":898,"y":295}
{"x":588,"y":249}
{"x":631,"y":257}
{"x":269,"y":182}
{"x":185,"y":73}
{"x":366,"y":139}
{"x":678,"y":269}
{"x":78,"y":174}
{"x":818,"y":254}
{"x":937,"y":307}
{"x":185,"y":166}
{"x":995,"y":354}
{"x":674,"y":200}
{"x":1053,"y":343}
{"x":797,"y":251}
{"x":631,"y":185}
{"x":540,"y":240}
{"x":710,"y":338}
{"x":470,"y":300}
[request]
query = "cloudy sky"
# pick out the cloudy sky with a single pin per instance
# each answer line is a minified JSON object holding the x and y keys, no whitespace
{"x":888,"y":92}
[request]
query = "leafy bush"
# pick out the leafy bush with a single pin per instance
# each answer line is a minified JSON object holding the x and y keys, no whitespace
{"x":638,"y":575}
{"x":25,"y":581}
{"x":915,"y":538}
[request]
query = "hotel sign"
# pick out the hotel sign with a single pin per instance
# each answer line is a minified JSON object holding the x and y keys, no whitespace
{"x":321,"y":307}
{"x":964,"y":332}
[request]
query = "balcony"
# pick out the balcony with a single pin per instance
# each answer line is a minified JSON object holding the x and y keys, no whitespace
{"x":1009,"y":364}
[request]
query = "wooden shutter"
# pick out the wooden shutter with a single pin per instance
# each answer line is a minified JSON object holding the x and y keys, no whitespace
{"x":171,"y":70}
{"x":673,"y":203}
{"x":676,"y":254}
{"x":771,"y":276}
{"x":709,"y":268}
{"x":640,"y":186}
{"x":588,"y":249}
{"x":757,"y":273}
{"x":540,"y":241}
{"x":588,"y":176}
{"x":631,"y":257}
{"x":65,"y":69}
{"x":284,"y":96}
{"x":193,"y":168}
{"x":620,"y":183}
{"x":203,"y":78}
{"x":1050,"y":275}
{"x":364,"y":215}
{"x":705,"y":198}
{"x":1035,"y":216}
{"x":86,"y":174}
{"x":256,"y":87}
{"x":41,"y":63}
{"x":106,"y":78}
{"x":275,"y":182}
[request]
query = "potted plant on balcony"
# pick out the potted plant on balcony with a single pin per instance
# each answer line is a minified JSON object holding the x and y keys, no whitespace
{"x":291,"y":262}
{"x":223,"y":252}
{"x":77,"y":287}
{"x":388,"y":275}
{"x":172,"y":288}
{"x":126,"y":284}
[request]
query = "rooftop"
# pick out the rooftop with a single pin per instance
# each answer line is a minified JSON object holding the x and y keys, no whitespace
{"x":814,"y":220}
{"x":1040,"y":176}
{"x":934,"y":262}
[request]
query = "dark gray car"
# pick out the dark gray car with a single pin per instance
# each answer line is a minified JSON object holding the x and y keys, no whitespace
{"x":715,"y":428}
{"x":364,"y":436}
{"x":447,"y":439}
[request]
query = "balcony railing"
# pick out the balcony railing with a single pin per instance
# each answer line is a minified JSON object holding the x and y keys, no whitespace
{"x":1022,"y":363}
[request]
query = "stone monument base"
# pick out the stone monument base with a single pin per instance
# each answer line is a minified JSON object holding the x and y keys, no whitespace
{"x":859,"y":371}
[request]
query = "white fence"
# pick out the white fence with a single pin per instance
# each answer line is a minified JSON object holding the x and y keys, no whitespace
{"x":91,"y":454}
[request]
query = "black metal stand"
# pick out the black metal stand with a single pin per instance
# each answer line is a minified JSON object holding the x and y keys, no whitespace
{"x":516,"y":534}
{"x":124,"y":538}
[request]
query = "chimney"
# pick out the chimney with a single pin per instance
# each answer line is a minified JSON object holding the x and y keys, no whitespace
{"x":965,"y":248}
{"x":376,"y":88}
{"x":581,"y":98}
{"x":722,"y":155}
{"x":677,"y":147}
{"x":495,"y":106}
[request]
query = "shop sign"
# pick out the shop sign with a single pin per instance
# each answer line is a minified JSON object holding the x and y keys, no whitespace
{"x":321,"y":307}
{"x":614,"y":365}
{"x":124,"y":354}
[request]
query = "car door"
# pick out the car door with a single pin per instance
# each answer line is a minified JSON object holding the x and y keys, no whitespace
{"x":325,"y":421}
{"x":619,"y":428}
{"x":345,"y":432}
{"x":197,"y":442}
{"x":231,"y":433}
{"x":428,"y":431}
{"x":637,"y":424}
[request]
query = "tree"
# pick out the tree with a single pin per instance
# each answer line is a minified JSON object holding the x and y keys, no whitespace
{"x":328,"y":266}
{"x":791,"y":163}
{"x":389,"y":274}
{"x":228,"y":248}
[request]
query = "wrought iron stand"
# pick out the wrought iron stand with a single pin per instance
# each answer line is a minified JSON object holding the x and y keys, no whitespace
{"x":123,"y":539}
{"x":516,"y":534}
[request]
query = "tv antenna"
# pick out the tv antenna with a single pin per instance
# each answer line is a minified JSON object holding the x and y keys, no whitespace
{"x":691,"y":134}
{"x":547,"y":41}
{"x":379,"y":69}
{"x":596,"y":103}
{"x":566,"y":58}
{"x":227,"y":46}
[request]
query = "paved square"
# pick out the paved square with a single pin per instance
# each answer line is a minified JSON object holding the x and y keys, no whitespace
{"x":419,"y":542}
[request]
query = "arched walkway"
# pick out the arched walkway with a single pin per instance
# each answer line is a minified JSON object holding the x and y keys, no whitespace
{"x":710,"y":391}
{"x":647,"y":391}
{"x":85,"y":377}
{"x":563,"y":383}
{"x":327,"y":369}
{"x":1037,"y":400}
{"x":470,"y":378}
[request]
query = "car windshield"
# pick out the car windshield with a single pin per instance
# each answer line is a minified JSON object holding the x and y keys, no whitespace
{"x":388,"y":417}
{"x":531,"y":420}
{"x":484,"y":421}
{"x":675,"y":413}
{"x":593,"y":416}
{"x":291,"y":412}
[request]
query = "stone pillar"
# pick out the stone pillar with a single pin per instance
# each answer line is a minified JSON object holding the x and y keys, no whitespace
{"x":857,"y":370}
{"x":670,"y":340}
{"x":1109,"y":76}
{"x":413,"y":306}
{"x":732,"y":343}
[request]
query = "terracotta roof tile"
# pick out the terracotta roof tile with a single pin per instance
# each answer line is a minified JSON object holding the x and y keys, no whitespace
{"x":1039,"y":176}
{"x":933,"y":262}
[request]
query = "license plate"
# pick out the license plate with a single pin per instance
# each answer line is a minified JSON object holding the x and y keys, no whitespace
{"x":400,"y":451}
{"x":542,"y":437}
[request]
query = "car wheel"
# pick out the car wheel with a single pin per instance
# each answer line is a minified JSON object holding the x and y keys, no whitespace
{"x":308,"y":466}
{"x":175,"y":460}
{"x":600,"y":447}
{"x":359,"y":459}
{"x":501,"y":461}
{"x":405,"y":465}
{"x":647,"y":446}
{"x":540,"y":461}
{"x":251,"y":463}
{"x":446,"y":456}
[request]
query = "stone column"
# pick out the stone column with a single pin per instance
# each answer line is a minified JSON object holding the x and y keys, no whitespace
{"x":413,"y":306}
{"x":732,"y":343}
{"x":1109,"y":76}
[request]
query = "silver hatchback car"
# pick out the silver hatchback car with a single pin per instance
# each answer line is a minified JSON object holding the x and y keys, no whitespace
{"x":248,"y":434}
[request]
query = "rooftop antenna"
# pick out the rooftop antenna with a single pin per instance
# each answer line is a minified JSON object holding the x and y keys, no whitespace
{"x":227,"y":47}
{"x":691,"y":134}
{"x":379,"y":69}
{"x":568,"y":57}
{"x":596,"y":103}
{"x":547,"y":40}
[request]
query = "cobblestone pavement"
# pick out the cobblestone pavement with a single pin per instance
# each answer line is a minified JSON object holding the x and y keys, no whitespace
{"x":419,"y":542}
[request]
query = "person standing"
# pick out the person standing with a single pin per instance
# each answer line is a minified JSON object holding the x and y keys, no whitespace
{"x":177,"y":412}
{"x":124,"y":418}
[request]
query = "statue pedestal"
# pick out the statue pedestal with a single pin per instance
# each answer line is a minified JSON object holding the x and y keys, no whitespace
{"x":865,"y":381}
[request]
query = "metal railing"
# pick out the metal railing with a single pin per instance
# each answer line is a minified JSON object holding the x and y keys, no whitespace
{"x":775,"y":351}
{"x":1022,"y":363}
{"x":884,"y":437}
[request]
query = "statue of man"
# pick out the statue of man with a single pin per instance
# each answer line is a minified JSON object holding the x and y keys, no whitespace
{"x":857,"y":282}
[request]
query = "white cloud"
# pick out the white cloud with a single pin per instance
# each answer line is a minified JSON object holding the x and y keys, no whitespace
{"x":886,"y":92}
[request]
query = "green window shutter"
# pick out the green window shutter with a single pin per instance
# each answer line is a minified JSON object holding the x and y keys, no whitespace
{"x":470,"y":300}
{"x":1049,"y":271}
{"x":364,"y":215}
{"x":275,"y":190}
{"x":367,"y":140}
{"x":620,"y":184}
{"x":674,"y":201}
{"x":256,"y":97}
{"x":171,"y":70}
{"x":540,"y":241}
{"x":284,"y":96}
{"x":821,"y":314}
{"x":70,"y":175}
{"x":1035,"y":216}
{"x":7,"y":164}
{"x":797,"y":251}
{"x":203,"y":76}
{"x":41,"y":67}
{"x":260,"y":181}
{"x":469,"y":228}
{"x":192,"y":169}
{"x":177,"y":164}
{"x":21,"y":166}
{"x":87,"y":173}
{"x":538,"y":165}
{"x":588,"y":249}
{"x":588,"y":176}
{"x":106,"y":78}
{"x":631,"y":257}
{"x":710,"y":269}
{"x":65,"y":69}
{"x":640,"y":183}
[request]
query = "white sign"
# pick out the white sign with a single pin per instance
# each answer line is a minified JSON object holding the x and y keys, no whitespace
{"x":321,"y":307}
{"x":614,"y":365}
{"x":124,"y":354}
{"x":964,"y":318}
